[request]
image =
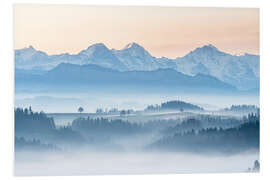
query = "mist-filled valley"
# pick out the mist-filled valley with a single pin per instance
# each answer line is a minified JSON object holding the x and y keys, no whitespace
{"x":100,"y":163}
{"x":171,"y":137}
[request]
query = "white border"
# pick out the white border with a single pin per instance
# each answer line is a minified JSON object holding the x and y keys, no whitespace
{"x":6,"y":81}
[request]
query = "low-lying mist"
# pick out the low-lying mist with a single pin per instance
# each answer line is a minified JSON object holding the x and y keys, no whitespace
{"x":171,"y":137}
{"x":101,"y":163}
{"x":68,"y":103}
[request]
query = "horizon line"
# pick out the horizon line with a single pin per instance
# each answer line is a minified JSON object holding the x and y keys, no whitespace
{"x":111,"y":49}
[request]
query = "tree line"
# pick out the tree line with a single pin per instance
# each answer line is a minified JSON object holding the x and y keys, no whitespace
{"x":28,"y":121}
{"x":240,"y":138}
{"x":173,"y":105}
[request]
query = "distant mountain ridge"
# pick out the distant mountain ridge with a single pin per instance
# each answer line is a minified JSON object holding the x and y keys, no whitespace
{"x":242,"y":72}
{"x":91,"y":76}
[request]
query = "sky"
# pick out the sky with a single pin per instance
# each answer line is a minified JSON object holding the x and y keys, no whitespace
{"x":163,"y":31}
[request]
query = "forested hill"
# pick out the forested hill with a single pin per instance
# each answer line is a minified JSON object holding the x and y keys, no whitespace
{"x":236,"y":139}
{"x":27,"y":121}
{"x":174,"y":105}
{"x":243,"y":108}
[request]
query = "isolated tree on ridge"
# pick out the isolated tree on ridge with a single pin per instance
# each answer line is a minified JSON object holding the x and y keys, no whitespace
{"x":80,"y":110}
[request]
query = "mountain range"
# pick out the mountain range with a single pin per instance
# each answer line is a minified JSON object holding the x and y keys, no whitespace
{"x":91,"y":77}
{"x":242,"y":72}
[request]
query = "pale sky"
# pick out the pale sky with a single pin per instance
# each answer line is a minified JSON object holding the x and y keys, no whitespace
{"x":163,"y":31}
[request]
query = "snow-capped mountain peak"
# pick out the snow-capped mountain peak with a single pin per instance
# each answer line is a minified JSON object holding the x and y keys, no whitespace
{"x":31,"y":48}
{"x":132,"y":45}
{"x":28,"y":53}
{"x":210,"y":46}
{"x":100,"y":55}
{"x":98,"y":47}
{"x":135,"y":49}
{"x":207,"y":49}
{"x":27,"y":50}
